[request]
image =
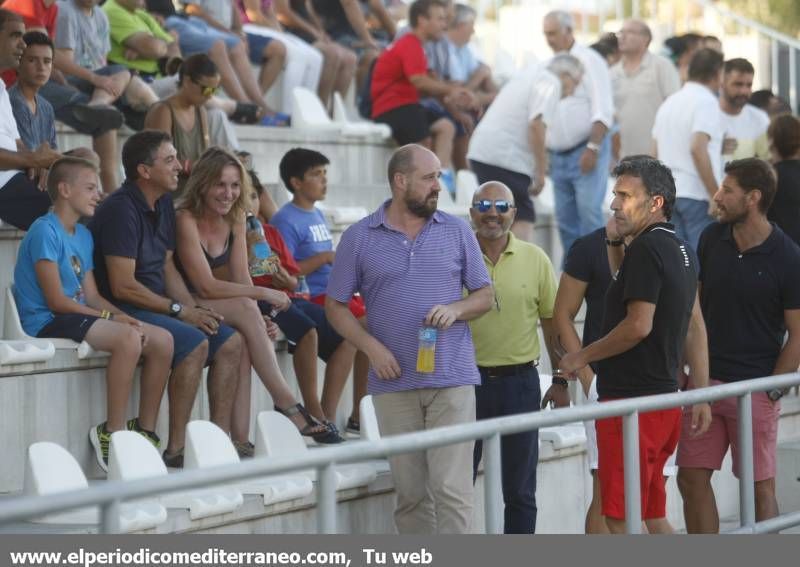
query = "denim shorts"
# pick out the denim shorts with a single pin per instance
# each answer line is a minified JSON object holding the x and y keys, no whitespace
{"x":256,"y":44}
{"x":196,"y":36}
{"x":185,"y":336}
{"x":299,"y":319}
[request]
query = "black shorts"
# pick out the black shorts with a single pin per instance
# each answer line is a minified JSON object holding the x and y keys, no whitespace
{"x":21,"y":202}
{"x":299,"y":319}
{"x":68,"y":326}
{"x":517,"y":182}
{"x":410,"y":123}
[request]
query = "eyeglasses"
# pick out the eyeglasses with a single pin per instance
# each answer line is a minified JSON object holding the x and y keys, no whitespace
{"x":501,"y":205}
{"x":205,"y":90}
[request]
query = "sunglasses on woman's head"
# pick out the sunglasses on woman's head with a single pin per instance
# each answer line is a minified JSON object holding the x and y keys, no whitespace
{"x":500,"y":205}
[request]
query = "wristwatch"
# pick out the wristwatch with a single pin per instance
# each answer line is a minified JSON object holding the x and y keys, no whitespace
{"x":175,"y":308}
{"x":593,"y":147}
{"x":775,"y":394}
{"x":619,"y":242}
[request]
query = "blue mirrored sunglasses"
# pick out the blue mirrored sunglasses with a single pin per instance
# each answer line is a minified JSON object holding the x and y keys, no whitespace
{"x":501,"y":206}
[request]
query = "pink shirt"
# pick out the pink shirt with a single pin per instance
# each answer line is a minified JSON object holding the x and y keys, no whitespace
{"x":265,"y":6}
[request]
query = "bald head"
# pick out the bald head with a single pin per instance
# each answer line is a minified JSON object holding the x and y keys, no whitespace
{"x":634,"y":37}
{"x":494,"y":190}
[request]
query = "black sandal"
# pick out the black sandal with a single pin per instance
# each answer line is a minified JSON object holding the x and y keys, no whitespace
{"x":312,"y":427}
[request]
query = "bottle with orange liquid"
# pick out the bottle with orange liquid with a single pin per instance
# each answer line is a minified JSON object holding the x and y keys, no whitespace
{"x":426,"y":354}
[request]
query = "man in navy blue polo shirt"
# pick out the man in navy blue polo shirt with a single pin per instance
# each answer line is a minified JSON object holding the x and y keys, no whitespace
{"x":134,"y":235}
{"x":750,"y":296}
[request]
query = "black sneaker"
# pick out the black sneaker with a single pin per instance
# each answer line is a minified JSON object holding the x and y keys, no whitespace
{"x":133,"y":425}
{"x":100,"y":438}
{"x":173,"y":461}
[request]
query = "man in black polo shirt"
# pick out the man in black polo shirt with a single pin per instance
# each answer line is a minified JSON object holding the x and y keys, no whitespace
{"x":645,"y":325}
{"x":134,"y":235}
{"x":750,"y":296}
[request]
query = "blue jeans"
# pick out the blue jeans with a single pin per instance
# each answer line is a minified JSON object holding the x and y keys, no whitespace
{"x":690,"y":217}
{"x":509,"y":395}
{"x":579,"y":197}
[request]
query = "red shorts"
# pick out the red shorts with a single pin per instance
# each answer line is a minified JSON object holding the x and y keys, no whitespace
{"x":708,"y":450}
{"x":658,"y":437}
{"x":357,"y":307}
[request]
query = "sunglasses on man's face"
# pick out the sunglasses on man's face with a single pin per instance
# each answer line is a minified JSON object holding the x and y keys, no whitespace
{"x":501,"y":205}
{"x":205,"y":89}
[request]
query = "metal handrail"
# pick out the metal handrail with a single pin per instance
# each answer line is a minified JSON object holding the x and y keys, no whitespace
{"x":112,"y":493}
{"x":748,"y":23}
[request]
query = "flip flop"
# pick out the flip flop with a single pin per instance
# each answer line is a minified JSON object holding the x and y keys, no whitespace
{"x":276,"y":119}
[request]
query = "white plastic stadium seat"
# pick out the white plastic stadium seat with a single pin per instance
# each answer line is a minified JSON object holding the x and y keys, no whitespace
{"x":12,"y":330}
{"x":357,"y":127}
{"x":277,"y":437}
{"x":206,"y":446}
{"x":50,"y":469}
{"x":308,"y":112}
{"x":369,"y":422}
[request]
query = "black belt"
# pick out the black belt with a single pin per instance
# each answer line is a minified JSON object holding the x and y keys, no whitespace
{"x":572,"y":149}
{"x":508,"y":369}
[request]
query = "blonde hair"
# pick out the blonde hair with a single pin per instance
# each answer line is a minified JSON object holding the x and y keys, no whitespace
{"x":207,"y":171}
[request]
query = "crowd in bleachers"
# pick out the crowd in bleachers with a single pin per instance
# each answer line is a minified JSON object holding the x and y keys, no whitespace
{"x":188,"y":262}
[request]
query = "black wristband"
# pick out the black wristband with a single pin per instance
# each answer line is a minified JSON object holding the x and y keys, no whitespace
{"x":620,"y":242}
{"x":559,"y":381}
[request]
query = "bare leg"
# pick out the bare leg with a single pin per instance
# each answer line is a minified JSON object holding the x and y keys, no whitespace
{"x":460,"y":146}
{"x":699,"y":504}
{"x":182,"y":390}
{"x":139,"y":95}
{"x":106,"y":147}
{"x":223,"y":377}
{"x":219,"y":55}
{"x":241,"y":64}
{"x":659,"y":526}
{"x":121,"y":80}
{"x":443,"y":133}
{"x":523,"y":230}
{"x":275,"y":59}
{"x":347,"y":70}
{"x":615,"y":526}
{"x":240,"y":420}
{"x":766,"y":503}
{"x":337,"y":371}
{"x":367,"y":58}
{"x":243,"y":315}
{"x":125,"y":346}
{"x":595,"y":522}
{"x":305,"y":368}
{"x":360,"y":375}
{"x":330,"y":70}
{"x":157,"y":354}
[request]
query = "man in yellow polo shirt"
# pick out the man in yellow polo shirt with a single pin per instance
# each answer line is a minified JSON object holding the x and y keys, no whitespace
{"x":507,"y":344}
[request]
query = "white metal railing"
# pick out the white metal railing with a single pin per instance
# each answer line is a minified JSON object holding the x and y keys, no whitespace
{"x":110,"y":495}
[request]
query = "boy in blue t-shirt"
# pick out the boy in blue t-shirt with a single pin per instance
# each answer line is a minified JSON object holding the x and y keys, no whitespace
{"x":306,"y":233}
{"x":57,"y":297}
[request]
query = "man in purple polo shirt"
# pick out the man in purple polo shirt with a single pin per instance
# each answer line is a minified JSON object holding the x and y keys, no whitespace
{"x":411,"y":263}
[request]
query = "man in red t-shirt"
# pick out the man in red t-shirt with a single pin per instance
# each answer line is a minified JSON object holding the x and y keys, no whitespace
{"x":38,"y":15}
{"x":401,"y":75}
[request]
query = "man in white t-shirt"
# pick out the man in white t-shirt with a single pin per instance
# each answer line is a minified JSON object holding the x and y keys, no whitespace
{"x":580,"y":148}
{"x":508,"y":144}
{"x":641,"y":82}
{"x":22,"y":199}
{"x":745,"y":126}
{"x":687,"y":138}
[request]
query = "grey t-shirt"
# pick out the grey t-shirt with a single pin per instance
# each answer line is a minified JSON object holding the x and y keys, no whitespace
{"x":220,"y":10}
{"x":34,"y":129}
{"x":87,"y":36}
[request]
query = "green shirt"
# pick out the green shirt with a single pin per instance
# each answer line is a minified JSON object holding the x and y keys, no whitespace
{"x":124,"y":24}
{"x":525,"y":290}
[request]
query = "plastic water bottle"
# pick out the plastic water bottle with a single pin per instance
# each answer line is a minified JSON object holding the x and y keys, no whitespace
{"x":302,"y":291}
{"x":426,"y":354}
{"x":258,"y":250}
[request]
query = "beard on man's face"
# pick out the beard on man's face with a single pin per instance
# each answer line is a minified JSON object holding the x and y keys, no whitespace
{"x":422,"y":208}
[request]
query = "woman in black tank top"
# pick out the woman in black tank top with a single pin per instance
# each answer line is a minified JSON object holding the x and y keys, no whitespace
{"x":211,"y":249}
